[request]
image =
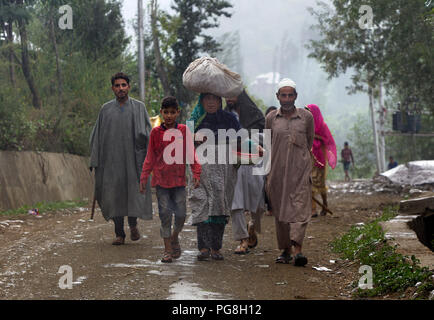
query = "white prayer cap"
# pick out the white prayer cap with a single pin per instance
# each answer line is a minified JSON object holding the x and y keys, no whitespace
{"x":286,"y":83}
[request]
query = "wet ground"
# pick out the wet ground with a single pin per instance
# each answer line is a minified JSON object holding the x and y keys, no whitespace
{"x":32,"y":249}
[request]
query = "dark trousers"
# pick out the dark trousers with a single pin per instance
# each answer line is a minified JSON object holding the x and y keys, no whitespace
{"x":210,"y":235}
{"x":267,"y":202}
{"x":119,"y":225}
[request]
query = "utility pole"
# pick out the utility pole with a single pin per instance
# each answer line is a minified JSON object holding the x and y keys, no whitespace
{"x":141,"y":52}
{"x":374,"y":126}
{"x":381,"y":139}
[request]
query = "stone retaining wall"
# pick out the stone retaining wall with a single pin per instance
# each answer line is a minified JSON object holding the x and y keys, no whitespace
{"x":30,"y":177}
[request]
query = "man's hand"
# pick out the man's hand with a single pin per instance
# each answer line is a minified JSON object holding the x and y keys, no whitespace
{"x":196,"y":182}
{"x":260,"y":150}
{"x":142,"y":187}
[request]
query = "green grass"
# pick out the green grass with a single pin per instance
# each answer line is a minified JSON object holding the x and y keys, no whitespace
{"x":46,"y":207}
{"x":392,"y":271}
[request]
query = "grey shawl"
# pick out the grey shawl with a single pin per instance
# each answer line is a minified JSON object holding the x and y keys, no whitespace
{"x":214,"y":195}
{"x":119,"y":142}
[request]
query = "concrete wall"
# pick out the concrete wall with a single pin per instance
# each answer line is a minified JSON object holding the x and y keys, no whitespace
{"x":30,"y":177}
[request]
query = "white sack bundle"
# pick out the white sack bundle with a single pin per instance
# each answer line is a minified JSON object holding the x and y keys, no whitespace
{"x":209,"y":75}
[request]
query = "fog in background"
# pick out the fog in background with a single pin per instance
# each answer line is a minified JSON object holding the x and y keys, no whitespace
{"x":272,"y":39}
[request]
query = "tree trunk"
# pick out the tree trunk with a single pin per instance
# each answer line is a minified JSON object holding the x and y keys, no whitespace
{"x":10,"y":42}
{"x":381,"y":139}
{"x":25,"y":64}
{"x":374,"y":126}
{"x":156,"y":42}
{"x":56,"y":52}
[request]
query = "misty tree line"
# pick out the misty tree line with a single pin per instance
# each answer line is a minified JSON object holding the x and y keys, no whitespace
{"x":395,"y":56}
{"x":54,"y":81}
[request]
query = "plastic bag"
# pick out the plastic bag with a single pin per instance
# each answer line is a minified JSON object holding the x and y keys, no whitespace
{"x":209,"y":75}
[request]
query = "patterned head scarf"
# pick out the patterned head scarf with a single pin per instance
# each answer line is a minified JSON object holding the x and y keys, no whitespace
{"x":199,"y":113}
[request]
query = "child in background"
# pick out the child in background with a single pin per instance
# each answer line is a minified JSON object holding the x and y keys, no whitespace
{"x":169,"y":179}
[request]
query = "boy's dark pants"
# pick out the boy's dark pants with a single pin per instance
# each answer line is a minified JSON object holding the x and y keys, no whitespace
{"x":119,"y":225}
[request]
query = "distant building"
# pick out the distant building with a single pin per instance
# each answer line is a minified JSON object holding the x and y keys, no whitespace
{"x":264,"y":87}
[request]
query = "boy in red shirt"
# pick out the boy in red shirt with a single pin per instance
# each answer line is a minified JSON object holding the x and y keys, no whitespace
{"x":168,"y":168}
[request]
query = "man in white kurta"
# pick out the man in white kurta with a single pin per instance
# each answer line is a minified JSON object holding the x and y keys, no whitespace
{"x":289,"y":185}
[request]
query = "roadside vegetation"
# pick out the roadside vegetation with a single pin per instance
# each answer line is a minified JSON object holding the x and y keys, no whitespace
{"x":392,"y":271}
{"x":46,"y":207}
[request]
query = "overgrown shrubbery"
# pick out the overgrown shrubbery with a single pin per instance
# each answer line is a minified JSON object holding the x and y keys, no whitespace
{"x":392,"y":272}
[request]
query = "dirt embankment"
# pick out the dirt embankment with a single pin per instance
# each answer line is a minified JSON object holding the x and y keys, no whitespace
{"x":30,"y":177}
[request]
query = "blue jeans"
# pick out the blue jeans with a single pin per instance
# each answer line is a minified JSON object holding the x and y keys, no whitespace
{"x":171,"y":201}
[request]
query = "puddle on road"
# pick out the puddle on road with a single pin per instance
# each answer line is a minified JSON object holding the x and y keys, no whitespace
{"x":187,"y":259}
{"x":79,"y":280}
{"x":162,"y":273}
{"x":126,"y":265}
{"x":184,"y":290}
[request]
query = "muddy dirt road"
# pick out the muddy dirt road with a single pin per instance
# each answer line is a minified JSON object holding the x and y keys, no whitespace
{"x":33,"y":249}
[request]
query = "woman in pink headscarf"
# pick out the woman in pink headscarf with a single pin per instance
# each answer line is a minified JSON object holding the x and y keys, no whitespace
{"x":324,"y":151}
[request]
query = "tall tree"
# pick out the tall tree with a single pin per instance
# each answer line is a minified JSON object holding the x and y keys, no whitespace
{"x":159,"y":62}
{"x":196,"y":17}
{"x":376,"y":53}
{"x":6,"y":27}
{"x":19,"y":11}
{"x":98,"y":29}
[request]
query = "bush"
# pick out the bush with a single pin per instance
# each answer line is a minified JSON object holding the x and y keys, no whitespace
{"x":392,"y":271}
{"x":14,"y":127}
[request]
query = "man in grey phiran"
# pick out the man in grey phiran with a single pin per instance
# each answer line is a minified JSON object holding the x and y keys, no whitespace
{"x":289,"y":185}
{"x":119,"y":142}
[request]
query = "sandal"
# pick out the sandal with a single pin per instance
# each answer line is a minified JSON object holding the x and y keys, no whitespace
{"x":284,"y":258}
{"x":253,"y":238}
{"x":300,"y":260}
{"x":176,"y":250}
{"x":203,"y":256}
{"x":167,"y":257}
{"x":242,"y":249}
{"x":217,"y":256}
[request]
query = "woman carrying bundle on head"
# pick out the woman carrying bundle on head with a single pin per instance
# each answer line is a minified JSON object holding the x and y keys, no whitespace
{"x":211,"y":201}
